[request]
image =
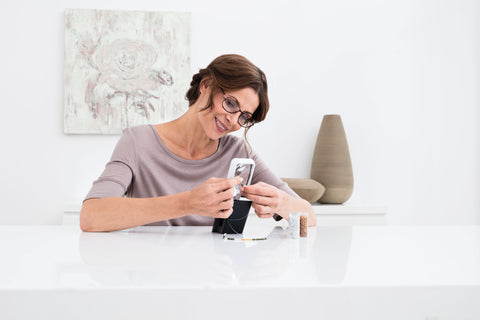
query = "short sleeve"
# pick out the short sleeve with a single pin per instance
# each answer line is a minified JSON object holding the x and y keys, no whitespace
{"x":119,"y":171}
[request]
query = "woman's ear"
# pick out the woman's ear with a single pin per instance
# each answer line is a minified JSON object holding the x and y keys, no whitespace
{"x":205,"y":84}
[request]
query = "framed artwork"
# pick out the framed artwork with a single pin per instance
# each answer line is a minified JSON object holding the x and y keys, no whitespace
{"x":124,"y":68}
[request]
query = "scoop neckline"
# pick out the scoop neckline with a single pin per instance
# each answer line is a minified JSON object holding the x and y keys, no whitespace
{"x":212,"y":157}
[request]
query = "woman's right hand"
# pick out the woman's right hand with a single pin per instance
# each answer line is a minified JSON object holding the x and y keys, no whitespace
{"x":213,"y":198}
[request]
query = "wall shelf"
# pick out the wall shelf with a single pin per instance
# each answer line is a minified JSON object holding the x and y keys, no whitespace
{"x":350,"y":214}
{"x":346,"y":209}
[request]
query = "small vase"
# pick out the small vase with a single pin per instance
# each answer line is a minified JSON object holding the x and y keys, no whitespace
{"x":331,"y":164}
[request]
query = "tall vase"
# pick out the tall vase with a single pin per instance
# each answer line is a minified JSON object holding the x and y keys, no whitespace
{"x":331,"y":164}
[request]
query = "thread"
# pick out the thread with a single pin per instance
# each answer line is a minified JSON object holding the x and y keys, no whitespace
{"x":297,"y":225}
{"x":242,"y":239}
{"x":231,"y":227}
{"x":303,"y":225}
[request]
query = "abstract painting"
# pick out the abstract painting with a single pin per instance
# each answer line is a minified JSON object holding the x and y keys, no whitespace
{"x":124,"y":68}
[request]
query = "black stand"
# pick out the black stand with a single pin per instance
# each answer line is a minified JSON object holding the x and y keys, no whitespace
{"x":236,"y":222}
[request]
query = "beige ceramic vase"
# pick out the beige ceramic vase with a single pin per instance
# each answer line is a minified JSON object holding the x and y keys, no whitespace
{"x":331,"y":164}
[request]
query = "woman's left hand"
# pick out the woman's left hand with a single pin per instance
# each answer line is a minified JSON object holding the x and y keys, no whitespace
{"x":266,"y":199}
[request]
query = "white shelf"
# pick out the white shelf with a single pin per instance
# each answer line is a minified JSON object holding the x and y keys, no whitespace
{"x":350,"y":214}
{"x":348,"y":209}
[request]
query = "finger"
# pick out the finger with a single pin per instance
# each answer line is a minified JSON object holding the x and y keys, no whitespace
{"x":224,"y":214}
{"x":225,"y":195}
{"x":260,"y":189}
{"x":262,"y":210}
{"x":226,"y":205}
{"x":224,"y":184}
{"x":265,"y":201}
{"x":264,"y":215}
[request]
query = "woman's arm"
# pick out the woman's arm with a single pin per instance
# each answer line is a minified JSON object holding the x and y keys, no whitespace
{"x":117,"y":213}
{"x":212,"y":198}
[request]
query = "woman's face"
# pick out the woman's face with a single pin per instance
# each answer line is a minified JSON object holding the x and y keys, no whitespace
{"x":217,"y":122}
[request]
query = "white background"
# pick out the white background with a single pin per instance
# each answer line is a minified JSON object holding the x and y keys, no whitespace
{"x":404,"y":75}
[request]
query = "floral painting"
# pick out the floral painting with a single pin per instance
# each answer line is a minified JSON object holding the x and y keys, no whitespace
{"x":124,"y":68}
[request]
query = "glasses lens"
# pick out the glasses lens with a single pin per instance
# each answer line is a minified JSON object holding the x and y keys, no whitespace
{"x":245,"y":121}
{"x":230,"y":105}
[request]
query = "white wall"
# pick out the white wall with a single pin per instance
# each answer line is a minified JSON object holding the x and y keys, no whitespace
{"x":403,"y":75}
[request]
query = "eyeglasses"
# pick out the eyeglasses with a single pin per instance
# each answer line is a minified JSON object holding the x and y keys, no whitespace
{"x":230,"y":104}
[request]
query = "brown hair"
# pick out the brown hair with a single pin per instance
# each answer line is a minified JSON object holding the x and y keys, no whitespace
{"x":232,"y":72}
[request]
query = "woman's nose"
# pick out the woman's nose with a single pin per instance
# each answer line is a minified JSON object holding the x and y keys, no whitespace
{"x":233,"y":118}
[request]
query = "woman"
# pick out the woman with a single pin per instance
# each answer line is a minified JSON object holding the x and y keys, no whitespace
{"x":172,"y":173}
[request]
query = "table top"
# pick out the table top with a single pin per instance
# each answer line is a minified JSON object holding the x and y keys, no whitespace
{"x":60,"y":257}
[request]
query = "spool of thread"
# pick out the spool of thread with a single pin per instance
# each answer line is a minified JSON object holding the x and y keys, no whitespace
{"x":303,"y":225}
{"x":297,"y":225}
{"x":294,"y":225}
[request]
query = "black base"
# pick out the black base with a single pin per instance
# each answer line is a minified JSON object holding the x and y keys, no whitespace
{"x":236,"y":222}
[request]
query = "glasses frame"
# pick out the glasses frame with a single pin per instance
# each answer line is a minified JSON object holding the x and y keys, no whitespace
{"x":247,"y":123}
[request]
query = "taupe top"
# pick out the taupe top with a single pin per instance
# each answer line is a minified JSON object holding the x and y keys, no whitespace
{"x":141,"y":166}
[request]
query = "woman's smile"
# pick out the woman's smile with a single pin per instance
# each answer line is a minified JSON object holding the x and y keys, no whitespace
{"x":220,"y":126}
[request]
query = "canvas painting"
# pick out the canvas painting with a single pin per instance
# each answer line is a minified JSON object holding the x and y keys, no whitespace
{"x":124,"y":68}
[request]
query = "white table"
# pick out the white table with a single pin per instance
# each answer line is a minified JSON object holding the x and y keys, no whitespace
{"x":338,"y":272}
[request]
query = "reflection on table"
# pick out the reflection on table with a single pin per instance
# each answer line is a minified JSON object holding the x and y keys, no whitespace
{"x":177,"y":257}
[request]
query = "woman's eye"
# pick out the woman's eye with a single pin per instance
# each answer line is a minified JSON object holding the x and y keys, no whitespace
{"x":246,"y":116}
{"x":231,"y":104}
